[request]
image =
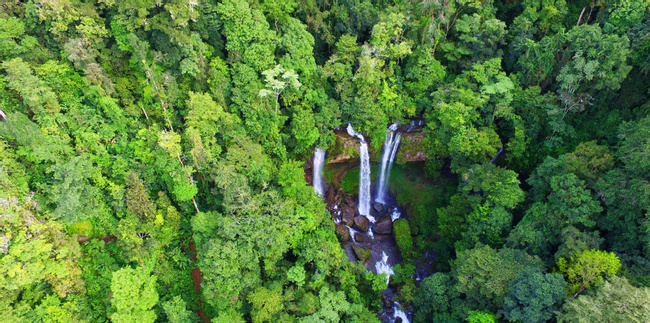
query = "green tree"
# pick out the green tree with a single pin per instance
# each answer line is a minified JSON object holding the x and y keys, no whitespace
{"x":138,"y":201}
{"x":567,"y":204}
{"x":481,"y":317}
{"x":72,"y":193}
{"x":484,"y":274}
{"x":266,"y":303}
{"x":248,"y":34}
{"x":134,"y":295}
{"x":587,"y":269}
{"x":36,"y":95}
{"x":534,"y":296}
{"x":177,"y":312}
{"x":275,"y":86}
{"x":615,"y":300}
{"x":438,"y":298}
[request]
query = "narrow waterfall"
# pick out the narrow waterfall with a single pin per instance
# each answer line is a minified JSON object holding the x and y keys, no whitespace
{"x":387,"y":158}
{"x":497,"y":155}
{"x":364,"y":175}
{"x":319,"y":160}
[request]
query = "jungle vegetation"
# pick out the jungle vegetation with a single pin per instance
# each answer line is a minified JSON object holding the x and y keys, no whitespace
{"x":141,"y":139}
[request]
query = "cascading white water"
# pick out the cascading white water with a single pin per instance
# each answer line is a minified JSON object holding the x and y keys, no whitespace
{"x":395,"y":214}
{"x":387,"y":158}
{"x":353,"y":233}
{"x":497,"y":155}
{"x":383,"y":267}
{"x":364,"y":175}
{"x":399,"y":313}
{"x":319,"y":160}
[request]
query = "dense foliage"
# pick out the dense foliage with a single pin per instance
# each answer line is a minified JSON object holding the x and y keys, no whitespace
{"x":140,"y":140}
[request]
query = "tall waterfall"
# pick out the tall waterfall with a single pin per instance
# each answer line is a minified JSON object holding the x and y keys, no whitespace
{"x":319,"y":160}
{"x":364,"y":175}
{"x":387,"y":158}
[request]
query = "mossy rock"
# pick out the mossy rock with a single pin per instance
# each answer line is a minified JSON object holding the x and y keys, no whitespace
{"x":403,"y":237}
{"x":363,"y":254}
{"x":345,"y":148}
{"x":412,"y":148}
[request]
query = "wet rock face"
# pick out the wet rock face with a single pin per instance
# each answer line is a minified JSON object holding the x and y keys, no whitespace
{"x":388,"y":301}
{"x":343,"y":232}
{"x":384,"y":225}
{"x":330,"y":195}
{"x":361,"y":223}
{"x":346,"y":148}
{"x":412,"y":148}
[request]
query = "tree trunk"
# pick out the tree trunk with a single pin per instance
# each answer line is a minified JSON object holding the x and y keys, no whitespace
{"x":581,"y":13}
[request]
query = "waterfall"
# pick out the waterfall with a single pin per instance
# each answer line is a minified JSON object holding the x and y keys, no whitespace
{"x":387,"y":158}
{"x":497,"y":155}
{"x":318,"y":184}
{"x":399,"y":313}
{"x":364,"y":175}
{"x":414,"y":124}
{"x":383,"y":267}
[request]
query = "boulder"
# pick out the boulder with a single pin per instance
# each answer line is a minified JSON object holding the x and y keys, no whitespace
{"x":361,"y":223}
{"x":383,"y":237}
{"x":378,"y":207}
{"x":388,"y":301}
{"x":363,"y":254}
{"x":343,"y":232}
{"x":384,"y":225}
{"x":358,"y":237}
{"x":350,"y":201}
{"x":347,"y":214}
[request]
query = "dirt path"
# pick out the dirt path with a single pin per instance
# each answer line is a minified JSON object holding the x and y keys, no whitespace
{"x":196,"y":279}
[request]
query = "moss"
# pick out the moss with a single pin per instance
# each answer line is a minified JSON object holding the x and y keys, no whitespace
{"x":343,"y":145}
{"x":363,"y":254}
{"x":350,"y":181}
{"x":410,"y":145}
{"x":331,"y":170}
{"x":403,"y":238}
{"x":421,"y":196}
